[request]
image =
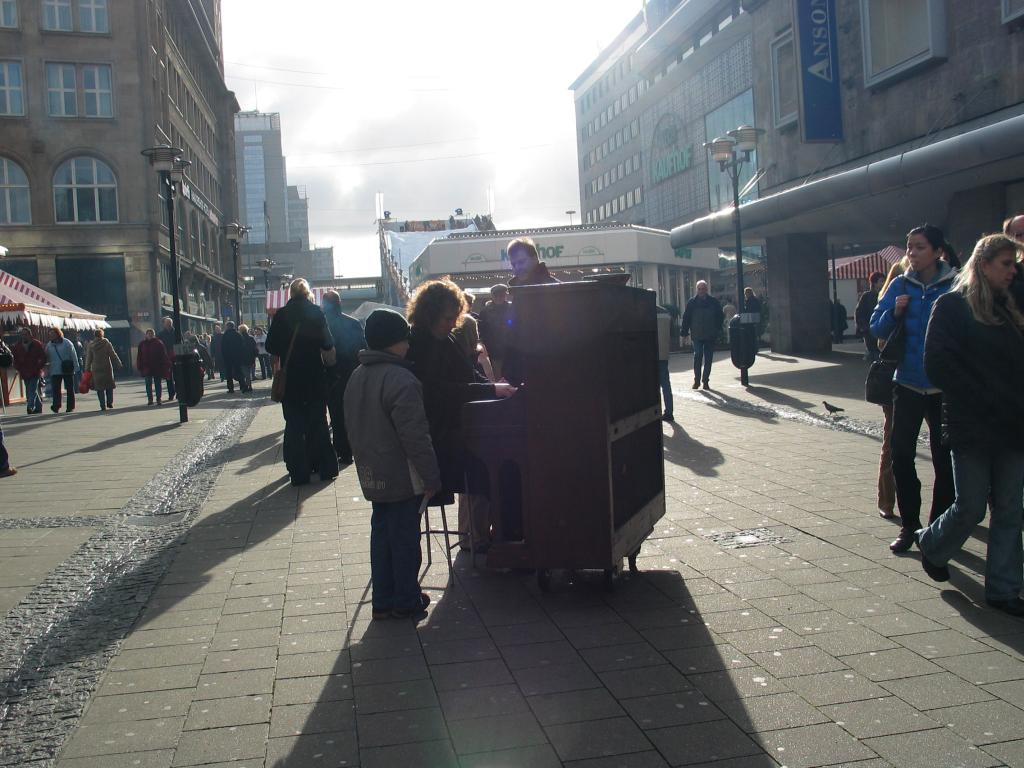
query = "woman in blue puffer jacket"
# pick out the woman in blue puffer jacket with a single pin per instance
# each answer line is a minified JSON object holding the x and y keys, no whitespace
{"x":909,"y":299}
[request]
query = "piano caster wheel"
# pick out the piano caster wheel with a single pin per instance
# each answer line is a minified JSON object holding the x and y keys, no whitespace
{"x":544,"y":579}
{"x":609,"y":579}
{"x":632,"y":562}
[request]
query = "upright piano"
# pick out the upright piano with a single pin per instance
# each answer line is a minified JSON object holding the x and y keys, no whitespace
{"x":572,"y":463}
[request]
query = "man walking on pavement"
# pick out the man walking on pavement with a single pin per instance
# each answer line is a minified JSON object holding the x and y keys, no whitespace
{"x":217,"y":351}
{"x":166,"y":335}
{"x":664,"y":347}
{"x":862,"y":315}
{"x":702,"y":322}
{"x":29,"y":362}
{"x":348,"y":341}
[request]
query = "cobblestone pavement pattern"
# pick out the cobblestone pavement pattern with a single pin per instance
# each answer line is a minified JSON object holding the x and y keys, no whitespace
{"x":769,"y":626}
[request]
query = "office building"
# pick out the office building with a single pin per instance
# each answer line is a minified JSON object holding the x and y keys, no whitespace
{"x":298,"y":215}
{"x":85,"y":86}
{"x":878,"y":115}
{"x":262,"y":179}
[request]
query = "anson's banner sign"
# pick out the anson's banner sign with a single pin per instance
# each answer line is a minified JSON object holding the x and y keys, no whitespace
{"x":821,"y":108}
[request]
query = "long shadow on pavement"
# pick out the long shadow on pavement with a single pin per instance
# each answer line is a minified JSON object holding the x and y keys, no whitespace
{"x":501,"y":674}
{"x":685,"y":451}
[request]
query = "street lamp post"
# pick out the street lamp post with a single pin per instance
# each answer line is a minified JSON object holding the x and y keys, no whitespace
{"x":731,"y":152}
{"x":235,"y":232}
{"x":167,"y":162}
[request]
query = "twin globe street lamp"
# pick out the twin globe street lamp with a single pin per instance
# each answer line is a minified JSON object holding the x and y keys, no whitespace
{"x":167,"y":162}
{"x":731,"y":152}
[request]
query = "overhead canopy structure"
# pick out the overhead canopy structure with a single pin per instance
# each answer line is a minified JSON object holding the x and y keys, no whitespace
{"x":25,"y":304}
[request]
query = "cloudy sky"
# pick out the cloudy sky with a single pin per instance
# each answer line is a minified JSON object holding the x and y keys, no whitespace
{"x":431,"y":103}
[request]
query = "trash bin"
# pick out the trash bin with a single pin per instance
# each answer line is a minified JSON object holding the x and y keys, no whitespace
{"x":188,"y":377}
{"x":742,"y":342}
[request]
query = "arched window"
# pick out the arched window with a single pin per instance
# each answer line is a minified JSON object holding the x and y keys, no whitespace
{"x":84,"y":192}
{"x":14,"y":207}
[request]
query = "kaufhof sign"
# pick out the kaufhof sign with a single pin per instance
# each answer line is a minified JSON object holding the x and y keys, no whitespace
{"x":671,"y":153}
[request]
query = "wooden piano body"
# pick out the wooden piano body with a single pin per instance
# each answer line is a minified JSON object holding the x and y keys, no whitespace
{"x":573,"y":462}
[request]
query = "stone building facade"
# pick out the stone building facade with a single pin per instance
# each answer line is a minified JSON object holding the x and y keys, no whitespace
{"x":85,"y":85}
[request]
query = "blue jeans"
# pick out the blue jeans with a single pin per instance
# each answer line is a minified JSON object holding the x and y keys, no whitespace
{"x":32,"y":394}
{"x":666,"y":386}
{"x":395,"y":554}
{"x":703,"y":352}
{"x":158,"y":382}
{"x":979,"y":474}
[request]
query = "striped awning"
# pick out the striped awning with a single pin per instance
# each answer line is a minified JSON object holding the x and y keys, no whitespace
{"x":24,"y":303}
{"x":278,"y":297}
{"x":861,"y":267}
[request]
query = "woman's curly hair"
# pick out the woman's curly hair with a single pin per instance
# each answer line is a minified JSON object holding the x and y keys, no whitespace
{"x":432,"y":299}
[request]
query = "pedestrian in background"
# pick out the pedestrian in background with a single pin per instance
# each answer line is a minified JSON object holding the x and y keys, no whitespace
{"x":862,"y":315}
{"x":29,"y":362}
{"x":395,"y":462}
{"x":702,"y":322}
{"x":100,"y":360}
{"x":348,"y":338}
{"x":234,"y":353}
{"x":886,"y":482}
{"x":153,"y":363}
{"x":664,"y":347}
{"x":249,"y":354}
{"x":495,"y":326}
{"x":300,"y":338}
{"x":197,"y":344}
{"x":974,"y":351}
{"x":217,"y":350}
{"x":63,"y":364}
{"x":909,"y":299}
{"x":167,"y":336}
{"x":260,"y":336}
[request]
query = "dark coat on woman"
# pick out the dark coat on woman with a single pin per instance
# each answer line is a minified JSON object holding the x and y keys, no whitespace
{"x":249,"y":349}
{"x":980,"y":370}
{"x":449,"y":381}
{"x":153,"y":359}
{"x":306,"y":375}
{"x":100,"y":359}
{"x":233,"y":349}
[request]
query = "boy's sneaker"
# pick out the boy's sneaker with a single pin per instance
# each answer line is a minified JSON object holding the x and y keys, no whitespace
{"x":9,"y":472}
{"x":413,"y":613}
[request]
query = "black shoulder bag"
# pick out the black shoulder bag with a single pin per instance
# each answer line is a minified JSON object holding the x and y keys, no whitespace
{"x":878,"y":385}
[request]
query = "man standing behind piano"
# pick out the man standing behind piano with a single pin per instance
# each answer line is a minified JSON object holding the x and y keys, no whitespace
{"x":527,"y":268}
{"x":449,"y":381}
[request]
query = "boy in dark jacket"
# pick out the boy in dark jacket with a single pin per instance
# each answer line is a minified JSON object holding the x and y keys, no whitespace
{"x":387,"y":428}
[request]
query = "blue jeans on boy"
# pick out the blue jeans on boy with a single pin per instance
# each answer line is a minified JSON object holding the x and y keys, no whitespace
{"x":703,"y":352}
{"x":33,"y":403}
{"x":158,"y":382}
{"x":977,"y":475}
{"x":395,"y":554}
{"x":666,"y":386}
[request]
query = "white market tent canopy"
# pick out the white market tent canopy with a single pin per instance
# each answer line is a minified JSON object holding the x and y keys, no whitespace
{"x":24,"y":303}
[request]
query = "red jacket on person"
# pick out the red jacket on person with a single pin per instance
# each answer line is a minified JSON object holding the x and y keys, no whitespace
{"x":30,"y":359}
{"x":153,"y":359}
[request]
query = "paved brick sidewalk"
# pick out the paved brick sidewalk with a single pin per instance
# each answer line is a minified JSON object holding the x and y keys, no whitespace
{"x":816,"y":648}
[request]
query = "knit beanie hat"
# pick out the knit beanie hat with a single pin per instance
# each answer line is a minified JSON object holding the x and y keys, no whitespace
{"x":385,"y":327}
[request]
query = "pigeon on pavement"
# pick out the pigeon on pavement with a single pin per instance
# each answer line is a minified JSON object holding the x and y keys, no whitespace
{"x":832,"y":409}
